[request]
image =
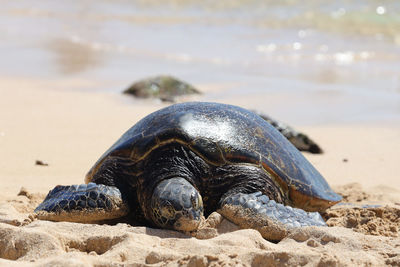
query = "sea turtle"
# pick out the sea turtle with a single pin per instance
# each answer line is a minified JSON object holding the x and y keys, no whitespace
{"x":164,"y":87}
{"x":194,"y":158}
{"x":300,"y":140}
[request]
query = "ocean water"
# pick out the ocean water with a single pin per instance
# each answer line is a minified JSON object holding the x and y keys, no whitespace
{"x":305,"y":62}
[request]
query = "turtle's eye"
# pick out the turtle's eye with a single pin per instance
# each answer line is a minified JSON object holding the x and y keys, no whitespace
{"x":196,"y":201}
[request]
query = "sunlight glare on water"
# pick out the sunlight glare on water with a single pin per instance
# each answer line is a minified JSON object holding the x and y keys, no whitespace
{"x":319,"y":54}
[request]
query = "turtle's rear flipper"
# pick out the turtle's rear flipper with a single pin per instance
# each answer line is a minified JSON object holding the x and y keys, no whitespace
{"x":301,"y":141}
{"x":273,"y":220}
{"x":85,"y":203}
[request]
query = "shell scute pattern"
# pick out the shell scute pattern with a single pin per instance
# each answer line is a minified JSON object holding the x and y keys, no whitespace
{"x":206,"y":146}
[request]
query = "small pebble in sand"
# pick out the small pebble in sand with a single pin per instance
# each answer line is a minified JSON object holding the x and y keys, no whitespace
{"x":24,"y":192}
{"x":41,"y":163}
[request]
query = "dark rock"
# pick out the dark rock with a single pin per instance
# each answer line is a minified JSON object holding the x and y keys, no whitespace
{"x":164,"y":87}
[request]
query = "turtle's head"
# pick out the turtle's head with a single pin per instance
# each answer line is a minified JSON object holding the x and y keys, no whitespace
{"x":176,"y":204}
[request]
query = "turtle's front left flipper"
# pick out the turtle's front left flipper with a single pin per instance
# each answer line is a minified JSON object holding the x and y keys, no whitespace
{"x":273,"y":220}
{"x":85,"y":203}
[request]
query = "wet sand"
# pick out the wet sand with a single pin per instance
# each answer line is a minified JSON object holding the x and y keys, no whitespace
{"x":69,"y":129}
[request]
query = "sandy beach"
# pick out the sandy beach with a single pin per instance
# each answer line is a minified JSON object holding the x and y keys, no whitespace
{"x":329,"y":69}
{"x":64,"y":125}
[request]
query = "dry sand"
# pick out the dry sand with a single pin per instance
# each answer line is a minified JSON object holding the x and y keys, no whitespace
{"x":69,"y":129}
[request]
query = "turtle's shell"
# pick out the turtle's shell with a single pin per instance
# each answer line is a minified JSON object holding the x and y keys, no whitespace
{"x":225,"y":134}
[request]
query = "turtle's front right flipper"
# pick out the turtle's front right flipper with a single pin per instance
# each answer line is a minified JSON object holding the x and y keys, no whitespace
{"x":273,"y":220}
{"x":85,"y":203}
